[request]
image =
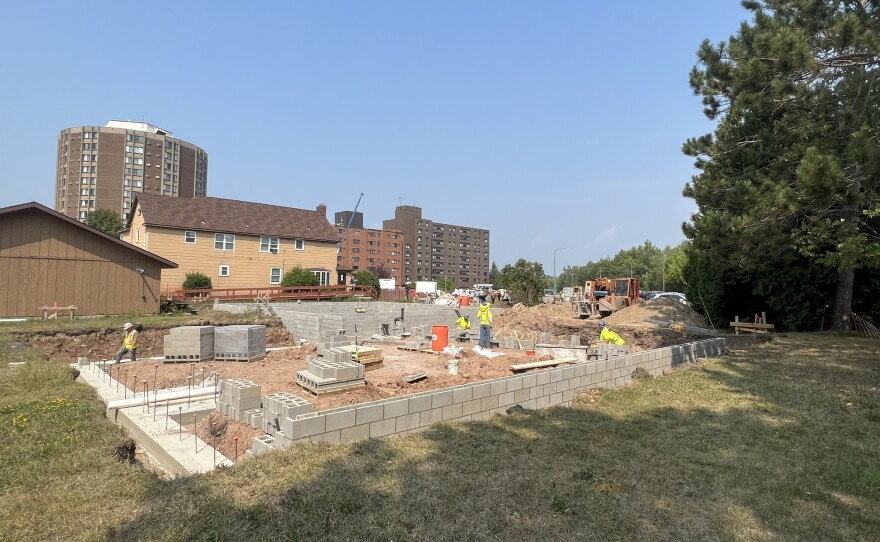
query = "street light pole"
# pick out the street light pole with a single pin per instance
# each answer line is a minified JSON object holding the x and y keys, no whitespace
{"x":555,"y":285}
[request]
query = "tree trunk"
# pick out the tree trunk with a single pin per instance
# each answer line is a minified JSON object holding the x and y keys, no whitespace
{"x":843,"y":299}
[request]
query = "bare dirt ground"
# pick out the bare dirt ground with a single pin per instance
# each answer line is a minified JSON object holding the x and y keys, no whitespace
{"x":277,"y":371}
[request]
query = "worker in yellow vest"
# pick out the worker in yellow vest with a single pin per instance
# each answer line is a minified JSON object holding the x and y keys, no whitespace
{"x":463,"y":324}
{"x":484,"y":313}
{"x":608,"y":336}
{"x":130,"y":343}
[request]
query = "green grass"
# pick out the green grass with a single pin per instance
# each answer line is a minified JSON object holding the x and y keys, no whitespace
{"x":779,"y":443}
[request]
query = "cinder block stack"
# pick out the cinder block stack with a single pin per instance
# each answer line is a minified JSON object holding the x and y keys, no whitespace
{"x":325,"y":376}
{"x":189,"y":343}
{"x":242,"y":343}
{"x":262,"y":444}
{"x":280,"y":405}
{"x":239,"y":399}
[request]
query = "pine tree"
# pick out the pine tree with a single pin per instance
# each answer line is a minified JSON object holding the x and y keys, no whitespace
{"x":786,"y":179}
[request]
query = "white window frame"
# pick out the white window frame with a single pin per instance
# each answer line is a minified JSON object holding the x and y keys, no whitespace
{"x":225,"y":240}
{"x":269,"y":244}
{"x":223,"y":271}
{"x":323,"y":277}
{"x":190,"y":237}
{"x":299,"y":244}
{"x":272,"y":275}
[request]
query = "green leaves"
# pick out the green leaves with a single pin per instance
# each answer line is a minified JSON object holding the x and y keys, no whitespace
{"x":105,"y":220}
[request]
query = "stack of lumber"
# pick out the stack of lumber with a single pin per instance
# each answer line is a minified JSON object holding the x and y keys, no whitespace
{"x":864,"y":328}
{"x":368,"y":356}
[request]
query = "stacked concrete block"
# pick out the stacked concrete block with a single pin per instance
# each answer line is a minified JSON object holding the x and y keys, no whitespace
{"x":238,"y":399}
{"x":608,"y":351}
{"x":333,"y":339}
{"x":189,"y":343}
{"x":280,"y":405}
{"x":243,"y":343}
{"x":262,"y":444}
{"x":324,"y":375}
{"x":544,"y":337}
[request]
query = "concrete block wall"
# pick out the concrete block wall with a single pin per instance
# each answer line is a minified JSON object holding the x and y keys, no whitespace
{"x":189,"y":343}
{"x":480,"y":400}
{"x":322,"y":323}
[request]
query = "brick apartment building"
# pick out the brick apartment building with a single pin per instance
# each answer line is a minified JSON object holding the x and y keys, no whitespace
{"x":105,"y":167}
{"x":433,"y":250}
{"x":365,"y":248}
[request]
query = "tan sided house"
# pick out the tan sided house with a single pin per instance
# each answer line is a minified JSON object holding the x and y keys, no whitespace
{"x":238,"y":244}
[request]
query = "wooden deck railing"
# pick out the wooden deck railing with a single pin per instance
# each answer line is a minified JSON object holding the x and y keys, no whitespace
{"x":271,"y":293}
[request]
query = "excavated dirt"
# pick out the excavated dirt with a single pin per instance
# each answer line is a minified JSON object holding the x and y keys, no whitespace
{"x":277,"y":371}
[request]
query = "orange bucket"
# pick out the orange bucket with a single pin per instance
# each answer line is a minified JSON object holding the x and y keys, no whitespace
{"x":464,"y":300}
{"x":439,"y":337}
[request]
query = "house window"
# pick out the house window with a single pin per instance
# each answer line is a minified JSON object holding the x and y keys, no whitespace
{"x":299,"y":244}
{"x":323,"y":277}
{"x":275,"y":275}
{"x":224,"y":270}
{"x":269,"y":244}
{"x":224,"y":241}
{"x":189,"y":237}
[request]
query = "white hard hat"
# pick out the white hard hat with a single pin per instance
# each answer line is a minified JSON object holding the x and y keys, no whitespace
{"x":127,"y":325}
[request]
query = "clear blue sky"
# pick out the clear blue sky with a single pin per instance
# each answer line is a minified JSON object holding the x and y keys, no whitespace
{"x":552,"y":124}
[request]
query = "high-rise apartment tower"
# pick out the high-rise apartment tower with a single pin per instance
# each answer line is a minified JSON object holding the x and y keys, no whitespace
{"x":104,"y":167}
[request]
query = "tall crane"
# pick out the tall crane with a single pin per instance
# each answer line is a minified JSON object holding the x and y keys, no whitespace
{"x":350,"y":220}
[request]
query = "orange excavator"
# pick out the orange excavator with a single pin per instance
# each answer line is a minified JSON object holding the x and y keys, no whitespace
{"x":602,"y":296}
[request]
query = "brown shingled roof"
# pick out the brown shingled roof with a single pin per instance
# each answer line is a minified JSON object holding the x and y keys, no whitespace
{"x":233,"y":216}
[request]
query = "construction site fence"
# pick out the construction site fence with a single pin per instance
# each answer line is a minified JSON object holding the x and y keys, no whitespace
{"x":271,"y":293}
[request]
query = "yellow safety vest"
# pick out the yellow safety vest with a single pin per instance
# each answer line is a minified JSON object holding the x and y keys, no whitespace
{"x":485,"y":315}
{"x":131,"y":339}
{"x":463,"y":323}
{"x":610,"y":337}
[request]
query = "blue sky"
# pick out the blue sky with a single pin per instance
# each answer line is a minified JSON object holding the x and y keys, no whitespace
{"x":552,"y":124}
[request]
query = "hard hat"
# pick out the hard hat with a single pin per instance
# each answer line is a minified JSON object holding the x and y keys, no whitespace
{"x":601,"y":323}
{"x":127,"y":325}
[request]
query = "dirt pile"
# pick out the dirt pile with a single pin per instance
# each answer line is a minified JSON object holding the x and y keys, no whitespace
{"x":667,"y":310}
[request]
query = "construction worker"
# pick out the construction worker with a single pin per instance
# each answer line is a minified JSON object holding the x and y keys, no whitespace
{"x":130,"y":343}
{"x":484,"y":313}
{"x":608,"y":336}
{"x":464,"y":325}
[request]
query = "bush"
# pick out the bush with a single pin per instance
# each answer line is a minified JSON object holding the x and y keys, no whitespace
{"x":300,"y":277}
{"x":367,"y":278}
{"x":196,"y":281}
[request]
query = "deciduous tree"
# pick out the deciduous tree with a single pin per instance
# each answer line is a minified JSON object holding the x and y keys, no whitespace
{"x":106,"y":220}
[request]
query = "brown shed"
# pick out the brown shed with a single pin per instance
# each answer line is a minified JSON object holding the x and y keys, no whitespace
{"x":47,"y":258}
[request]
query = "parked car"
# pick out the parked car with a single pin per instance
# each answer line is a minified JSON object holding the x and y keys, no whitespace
{"x":677,"y":296}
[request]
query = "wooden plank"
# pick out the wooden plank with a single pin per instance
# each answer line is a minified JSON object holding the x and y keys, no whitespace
{"x":752,"y":325}
{"x":540,"y":364}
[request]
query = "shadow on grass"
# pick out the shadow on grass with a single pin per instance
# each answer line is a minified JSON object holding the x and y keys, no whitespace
{"x":769,"y":453}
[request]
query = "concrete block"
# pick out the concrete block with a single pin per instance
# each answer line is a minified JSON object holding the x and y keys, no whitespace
{"x":506,"y":399}
{"x":542,"y":377}
{"x":488,"y":403}
{"x":405,"y":423}
{"x":520,"y":396}
{"x":369,"y":413}
{"x":393,"y":409}
{"x":420,"y":403}
{"x":331,"y":437}
{"x":483,"y":415}
{"x":529,"y":380}
{"x":452,"y":411}
{"x":340,"y":420}
{"x":382,"y":428}
{"x":355,"y":433}
{"x":498,"y":387}
{"x":471,"y":407}
{"x":430,"y":416}
{"x":481,"y":390}
{"x":462,"y":395}
{"x":441,"y":399}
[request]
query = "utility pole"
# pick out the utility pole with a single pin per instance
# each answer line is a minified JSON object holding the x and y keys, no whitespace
{"x":555,"y":285}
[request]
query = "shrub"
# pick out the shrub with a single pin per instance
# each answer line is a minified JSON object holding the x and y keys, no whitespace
{"x":196,"y":281}
{"x":300,"y":277}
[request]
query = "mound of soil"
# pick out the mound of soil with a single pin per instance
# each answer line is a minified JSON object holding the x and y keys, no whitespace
{"x":665,"y":309}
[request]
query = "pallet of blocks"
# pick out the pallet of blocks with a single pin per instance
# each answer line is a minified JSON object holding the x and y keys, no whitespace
{"x":239,"y":343}
{"x":189,"y":343}
{"x":368,"y":356}
{"x":326,"y":376}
